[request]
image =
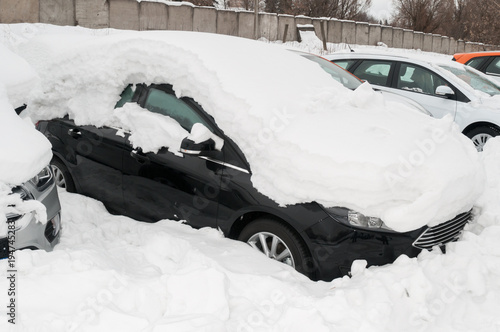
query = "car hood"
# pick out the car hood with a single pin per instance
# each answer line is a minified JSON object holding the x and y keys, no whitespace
{"x":306,"y":137}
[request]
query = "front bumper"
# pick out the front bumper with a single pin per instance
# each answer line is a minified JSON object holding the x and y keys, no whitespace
{"x":335,"y":246}
{"x":29,"y":232}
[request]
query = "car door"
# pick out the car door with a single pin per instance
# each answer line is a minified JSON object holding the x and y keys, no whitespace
{"x":168,"y":184}
{"x":420,"y":84}
{"x":94,"y":158}
{"x":493,"y":68}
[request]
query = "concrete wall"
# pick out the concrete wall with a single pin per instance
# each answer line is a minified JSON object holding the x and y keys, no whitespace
{"x":179,"y":17}
{"x":59,"y":12}
{"x":204,"y":19}
{"x":130,"y":14}
{"x":291,"y":33}
{"x":91,"y":13}
{"x":153,"y":16}
{"x":124,"y":14}
{"x":19,"y":11}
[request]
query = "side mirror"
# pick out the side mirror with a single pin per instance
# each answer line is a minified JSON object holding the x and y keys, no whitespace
{"x":444,"y":91}
{"x":201,"y":141}
{"x":200,"y":149}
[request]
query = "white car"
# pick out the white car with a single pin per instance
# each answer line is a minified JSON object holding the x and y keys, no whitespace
{"x":442,"y":88}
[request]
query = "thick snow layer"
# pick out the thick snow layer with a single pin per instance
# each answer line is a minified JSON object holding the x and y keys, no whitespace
{"x":114,"y":273}
{"x":338,"y":147}
{"x":23,"y":150}
{"x":16,"y":75}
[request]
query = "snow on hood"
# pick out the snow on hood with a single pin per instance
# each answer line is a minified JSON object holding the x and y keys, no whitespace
{"x":306,"y":137}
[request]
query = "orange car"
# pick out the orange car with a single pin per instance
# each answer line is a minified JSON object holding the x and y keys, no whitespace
{"x":487,"y":62}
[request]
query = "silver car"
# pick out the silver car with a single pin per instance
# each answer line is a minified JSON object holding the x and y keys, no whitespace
{"x":441,"y":87}
{"x":29,"y":233}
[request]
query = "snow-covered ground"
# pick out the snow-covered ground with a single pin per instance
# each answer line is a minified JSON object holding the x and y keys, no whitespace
{"x":112,"y":273}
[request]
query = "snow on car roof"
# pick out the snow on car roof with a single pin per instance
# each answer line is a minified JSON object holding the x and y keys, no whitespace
{"x":306,"y":137}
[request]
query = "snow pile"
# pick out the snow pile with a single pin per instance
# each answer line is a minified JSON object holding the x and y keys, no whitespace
{"x":17,"y":76}
{"x":23,"y":151}
{"x":111,"y":272}
{"x":347,"y":148}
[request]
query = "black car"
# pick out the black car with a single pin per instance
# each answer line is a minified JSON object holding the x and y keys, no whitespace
{"x":209,"y":187}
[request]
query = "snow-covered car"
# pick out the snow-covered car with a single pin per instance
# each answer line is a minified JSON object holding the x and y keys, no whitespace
{"x":442,"y":88}
{"x":486,"y":62}
{"x":251,"y":139}
{"x":29,"y":204}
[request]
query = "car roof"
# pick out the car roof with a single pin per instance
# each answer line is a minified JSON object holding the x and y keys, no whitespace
{"x":420,"y":60}
{"x":464,"y":57}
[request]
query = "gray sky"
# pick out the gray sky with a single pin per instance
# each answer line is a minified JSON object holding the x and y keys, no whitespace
{"x":381,"y":9}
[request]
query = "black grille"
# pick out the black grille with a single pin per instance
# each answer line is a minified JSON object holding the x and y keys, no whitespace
{"x":443,"y":233}
{"x":50,"y":231}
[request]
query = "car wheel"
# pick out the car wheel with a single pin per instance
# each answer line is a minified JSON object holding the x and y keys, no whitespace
{"x":481,"y":135}
{"x":62,"y":177}
{"x":279,"y":242}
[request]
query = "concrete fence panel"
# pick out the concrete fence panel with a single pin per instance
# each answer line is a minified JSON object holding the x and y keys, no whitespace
{"x":408,"y":39}
{"x":334,"y":28}
{"x":418,"y":40}
{"x":92,"y":14}
{"x":362,"y":33}
{"x":19,"y":11}
{"x":427,"y":44}
{"x":246,"y":25}
{"x":387,"y":33}
{"x":436,"y":43}
{"x":180,"y":18}
{"x":348,"y":32}
{"x":374,"y":34}
{"x":317,"y":28}
{"x":268,"y":26}
{"x":205,"y":19}
{"x":124,"y":14}
{"x":445,"y":45}
{"x":58,"y":12}
{"x":397,"y":37}
{"x":153,"y":16}
{"x":227,"y":22}
{"x":453,"y":46}
{"x":291,"y":33}
{"x":460,"y":46}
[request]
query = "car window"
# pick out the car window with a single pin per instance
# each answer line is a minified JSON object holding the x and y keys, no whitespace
{"x":340,"y":75}
{"x":475,"y":79}
{"x":494,"y":67}
{"x":344,"y":63}
{"x":476,"y":62}
{"x":161,"y":102}
{"x":126,"y":96}
{"x":375,"y":72}
{"x":418,"y":79}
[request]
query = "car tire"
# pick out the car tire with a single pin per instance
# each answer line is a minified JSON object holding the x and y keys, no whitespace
{"x":62,"y":177}
{"x":480,"y":135}
{"x":261,"y":233}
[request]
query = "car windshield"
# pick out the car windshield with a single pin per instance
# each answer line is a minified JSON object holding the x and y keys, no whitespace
{"x":340,"y":75}
{"x":475,"y":80}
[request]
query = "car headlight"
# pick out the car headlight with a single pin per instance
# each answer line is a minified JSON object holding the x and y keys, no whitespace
{"x":41,"y":180}
{"x":357,"y":219}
